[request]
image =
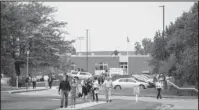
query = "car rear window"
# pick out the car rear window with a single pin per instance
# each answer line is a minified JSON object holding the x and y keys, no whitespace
{"x":131,"y":80}
{"x":123,"y":80}
{"x":82,"y":73}
{"x":74,"y":72}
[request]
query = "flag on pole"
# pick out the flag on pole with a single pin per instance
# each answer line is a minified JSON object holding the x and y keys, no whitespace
{"x":128,"y":40}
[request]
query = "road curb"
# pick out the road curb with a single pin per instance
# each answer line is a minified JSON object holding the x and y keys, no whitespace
{"x":174,"y":97}
{"x":21,"y":91}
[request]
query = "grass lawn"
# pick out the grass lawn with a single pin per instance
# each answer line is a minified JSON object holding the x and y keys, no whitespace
{"x":126,"y":104}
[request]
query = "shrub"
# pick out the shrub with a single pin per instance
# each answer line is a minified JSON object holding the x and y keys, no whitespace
{"x":58,"y":77}
{"x":12,"y":81}
{"x":21,"y":81}
{"x":42,"y":79}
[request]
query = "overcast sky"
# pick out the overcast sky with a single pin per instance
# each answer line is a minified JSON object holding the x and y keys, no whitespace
{"x":110,"y":23}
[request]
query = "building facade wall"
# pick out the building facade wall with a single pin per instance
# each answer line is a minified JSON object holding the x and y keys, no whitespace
{"x":81,"y":62}
{"x":137,"y":64}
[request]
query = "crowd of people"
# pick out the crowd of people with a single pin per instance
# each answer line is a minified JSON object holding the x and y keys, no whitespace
{"x":32,"y":79}
{"x":85,"y":89}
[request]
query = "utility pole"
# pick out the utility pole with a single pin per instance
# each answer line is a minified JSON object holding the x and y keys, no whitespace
{"x":87,"y":49}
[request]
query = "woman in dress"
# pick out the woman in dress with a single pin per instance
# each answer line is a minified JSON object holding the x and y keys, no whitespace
{"x":73,"y":92}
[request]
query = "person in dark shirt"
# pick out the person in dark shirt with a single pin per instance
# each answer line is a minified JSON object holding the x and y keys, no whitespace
{"x":50,"y":81}
{"x":64,"y":88}
{"x":27,"y":82}
{"x":89,"y":87}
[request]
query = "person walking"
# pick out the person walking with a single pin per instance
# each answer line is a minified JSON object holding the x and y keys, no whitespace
{"x":89,"y":89}
{"x":27,"y":82}
{"x":74,"y":89}
{"x":96,"y":88}
{"x":46,"y":81}
{"x":159,"y":88}
{"x":50,"y":81}
{"x":108,"y":86}
{"x":64,"y":88}
{"x":34,"y":80}
{"x":84,"y":90}
{"x":92,"y":89}
{"x":165,"y":83}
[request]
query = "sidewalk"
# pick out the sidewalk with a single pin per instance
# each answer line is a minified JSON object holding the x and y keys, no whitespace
{"x":178,"y":103}
{"x":82,"y":105}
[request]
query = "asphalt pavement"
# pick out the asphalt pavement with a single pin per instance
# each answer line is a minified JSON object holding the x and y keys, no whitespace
{"x":49,"y":99}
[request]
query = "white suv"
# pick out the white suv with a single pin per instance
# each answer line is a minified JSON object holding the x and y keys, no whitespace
{"x":81,"y":75}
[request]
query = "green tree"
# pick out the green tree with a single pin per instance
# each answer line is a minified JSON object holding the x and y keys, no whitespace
{"x":115,"y":52}
{"x":138,"y":49}
{"x":177,"y":53}
{"x":31,"y":26}
{"x":147,"y":45}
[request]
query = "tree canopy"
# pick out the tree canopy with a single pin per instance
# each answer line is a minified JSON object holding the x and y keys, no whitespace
{"x":31,"y":26}
{"x":177,"y":53}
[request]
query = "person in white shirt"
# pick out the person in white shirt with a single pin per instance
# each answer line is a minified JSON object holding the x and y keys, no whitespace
{"x":159,"y":88}
{"x":46,"y":81}
{"x":108,"y":86}
{"x":96,"y":88}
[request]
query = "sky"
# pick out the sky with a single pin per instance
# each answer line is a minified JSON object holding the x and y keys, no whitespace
{"x":109,"y":23}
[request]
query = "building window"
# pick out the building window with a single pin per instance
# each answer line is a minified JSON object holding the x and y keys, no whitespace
{"x":123,"y":65}
{"x":101,"y":66}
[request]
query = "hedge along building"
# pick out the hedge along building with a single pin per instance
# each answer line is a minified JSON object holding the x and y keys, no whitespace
{"x":100,"y":62}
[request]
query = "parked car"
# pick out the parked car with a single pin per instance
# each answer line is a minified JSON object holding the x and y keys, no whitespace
{"x":39,"y":77}
{"x":128,"y":83}
{"x":143,"y":78}
{"x":80,"y":75}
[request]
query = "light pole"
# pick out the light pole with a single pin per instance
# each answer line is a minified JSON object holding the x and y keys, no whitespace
{"x":80,"y":39}
{"x":28,"y":52}
{"x":87,"y":49}
{"x":163,"y":21}
{"x":163,"y":31}
{"x":163,"y":56}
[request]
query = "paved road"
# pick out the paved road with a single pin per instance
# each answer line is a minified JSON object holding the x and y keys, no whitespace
{"x":43,"y":100}
{"x":25,"y":102}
